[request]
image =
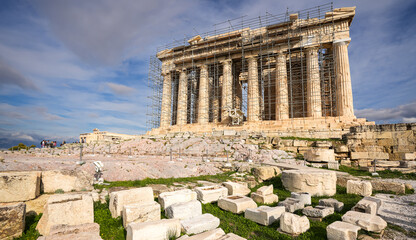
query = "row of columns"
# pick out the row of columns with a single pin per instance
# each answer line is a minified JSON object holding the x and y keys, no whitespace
{"x":313,"y":95}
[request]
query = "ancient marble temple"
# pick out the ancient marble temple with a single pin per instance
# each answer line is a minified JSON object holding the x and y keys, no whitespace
{"x":286,"y":73}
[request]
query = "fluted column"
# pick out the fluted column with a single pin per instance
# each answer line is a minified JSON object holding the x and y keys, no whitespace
{"x":227,"y":89}
{"x":343,"y":80}
{"x":166,"y":110}
{"x":182,"y":98}
{"x":313,"y":85}
{"x":253,"y":100}
{"x":282,"y":100}
{"x":203,"y":99}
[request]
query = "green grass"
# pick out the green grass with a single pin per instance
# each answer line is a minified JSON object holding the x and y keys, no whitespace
{"x":382,"y":174}
{"x":30,"y":232}
{"x":222,"y":177}
{"x":110,"y":228}
{"x":312,"y":139}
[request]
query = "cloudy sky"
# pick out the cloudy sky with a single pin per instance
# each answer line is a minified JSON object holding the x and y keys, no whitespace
{"x":67,"y":67}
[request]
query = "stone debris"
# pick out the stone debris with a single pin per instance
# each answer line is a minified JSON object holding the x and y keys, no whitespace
{"x":126,"y":197}
{"x":67,"y":209}
{"x":141,"y":212}
{"x":184,"y":210}
{"x":366,"y":206}
{"x":330,"y":202}
{"x":208,"y":235}
{"x":236,"y":188}
{"x":315,"y":182}
{"x":294,"y":224}
{"x":231,"y":236}
{"x":319,"y":155}
{"x":12,"y":220}
{"x":265,"y":190}
{"x":333,"y":165}
{"x":163,"y":229}
{"x":265,"y":195}
{"x":362,"y":188}
{"x":304,"y":197}
{"x":291,"y":204}
{"x":168,"y":198}
{"x":266,"y":172}
{"x":236,"y":204}
{"x":366,"y":221}
{"x":88,"y":231}
{"x":200,"y":223}
{"x":388,"y":186}
{"x":318,"y":211}
{"x":342,"y":231}
{"x":19,"y":186}
{"x":210,"y":194}
{"x":264,"y":215}
{"x":37,"y":205}
{"x":66,"y":180}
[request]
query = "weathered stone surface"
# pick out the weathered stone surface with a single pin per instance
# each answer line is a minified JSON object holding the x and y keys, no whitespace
{"x":37,"y":205}
{"x":265,"y":199}
{"x":168,"y":198}
{"x":315,"y":182}
{"x":408,"y":156}
{"x":265,"y":190}
{"x":88,"y":231}
{"x":12,"y":220}
{"x":378,"y":201}
{"x":66,"y":180}
{"x":388,"y":186}
{"x":330,"y":202}
{"x":208,"y":235}
{"x":292,"y":204}
{"x":141,"y":212}
{"x":184,"y":210}
{"x":343,"y":179}
{"x":293,"y":224}
{"x":210,"y":194}
{"x":333,"y":165}
{"x":266,"y":172}
{"x":304,"y":197}
{"x":200,"y":223}
{"x":264,"y":215}
{"x":19,"y":186}
{"x":158,"y":189}
{"x":342,"y":231}
{"x":366,"y":206}
{"x":236,"y":204}
{"x":69,"y":209}
{"x":236,"y":188}
{"x":362,"y":188}
{"x":318,"y":211}
{"x":231,"y":236}
{"x":341,"y":149}
{"x":366,"y":221}
{"x":156,"y":230}
{"x":320,"y":155}
{"x":126,"y":197}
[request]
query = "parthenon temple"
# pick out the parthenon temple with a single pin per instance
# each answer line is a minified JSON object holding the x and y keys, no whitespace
{"x":276,"y":73}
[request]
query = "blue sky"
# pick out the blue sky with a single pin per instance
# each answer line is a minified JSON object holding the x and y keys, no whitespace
{"x":67,"y":67}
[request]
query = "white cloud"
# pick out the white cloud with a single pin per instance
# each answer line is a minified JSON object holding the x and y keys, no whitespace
{"x":405,"y":113}
{"x":9,"y":76}
{"x":120,"y":89}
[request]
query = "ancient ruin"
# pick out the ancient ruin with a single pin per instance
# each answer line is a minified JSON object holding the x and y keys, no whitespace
{"x":274,"y":73}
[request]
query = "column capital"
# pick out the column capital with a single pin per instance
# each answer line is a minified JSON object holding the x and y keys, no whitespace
{"x":166,"y":73}
{"x":311,"y":49}
{"x":182,"y":70}
{"x":226,"y":61}
{"x":344,"y":41}
{"x":203,"y":66}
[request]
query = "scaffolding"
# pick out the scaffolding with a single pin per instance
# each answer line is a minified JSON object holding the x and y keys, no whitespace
{"x":237,"y":40}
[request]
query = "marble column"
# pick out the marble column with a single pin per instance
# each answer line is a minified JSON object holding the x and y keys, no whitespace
{"x":203,"y":99}
{"x":182,"y":98}
{"x":166,"y":110}
{"x":253,"y":99}
{"x":282,"y":100}
{"x":343,"y":80}
{"x":313,"y":86}
{"x":227,"y":89}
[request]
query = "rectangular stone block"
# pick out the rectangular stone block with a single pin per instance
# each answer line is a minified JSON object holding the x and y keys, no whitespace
{"x":378,"y":155}
{"x":126,"y":197}
{"x":366,"y":221}
{"x":19,"y":186}
{"x":87,"y":231}
{"x":231,"y":236}
{"x":236,"y":188}
{"x":12,"y":220}
{"x":211,"y":194}
{"x":199,"y":224}
{"x":184,"y":210}
{"x":388,"y":186}
{"x":236,"y":203}
{"x":330,"y":202}
{"x":264,"y":215}
{"x":333,"y":165}
{"x":265,"y":199}
{"x":366,"y":206}
{"x":168,"y":198}
{"x":362,"y":188}
{"x":294,"y":224}
{"x":291,"y":204}
{"x":408,"y":156}
{"x":141,"y":212}
{"x":66,"y":180}
{"x":208,"y":235}
{"x":318,"y":211}
{"x":163,"y":229}
{"x":324,"y":182}
{"x":265,"y":190}
{"x":359,"y":155}
{"x":342,"y":231}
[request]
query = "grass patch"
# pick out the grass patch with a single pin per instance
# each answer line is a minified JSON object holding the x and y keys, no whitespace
{"x":222,"y":177}
{"x":382,"y":174}
{"x":312,"y":139}
{"x":110,"y":228}
{"x":30,"y":232}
